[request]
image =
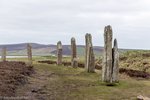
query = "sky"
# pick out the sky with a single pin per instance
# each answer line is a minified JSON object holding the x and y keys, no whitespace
{"x":50,"y":21}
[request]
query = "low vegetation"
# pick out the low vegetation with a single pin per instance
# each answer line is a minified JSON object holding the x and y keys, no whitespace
{"x":136,"y":60}
{"x":52,"y":82}
{"x":65,"y":83}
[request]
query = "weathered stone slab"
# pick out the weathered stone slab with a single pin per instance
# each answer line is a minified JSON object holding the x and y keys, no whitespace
{"x":29,"y":53}
{"x":107,"y":57}
{"x":89,"y":54}
{"x":115,"y":73}
{"x":4,"y":54}
{"x":59,"y":53}
{"x":74,"y":61}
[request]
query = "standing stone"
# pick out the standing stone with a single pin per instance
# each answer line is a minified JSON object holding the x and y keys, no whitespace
{"x":115,"y":62}
{"x":89,"y":57}
{"x":4,"y":54}
{"x":74,"y":62}
{"x":107,"y":58}
{"x":110,"y":69}
{"x":29,"y":53}
{"x":86,"y":48}
{"x":59,"y":53}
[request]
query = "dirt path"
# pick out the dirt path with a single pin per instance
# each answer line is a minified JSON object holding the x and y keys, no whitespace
{"x":36,"y":89}
{"x":47,"y":85}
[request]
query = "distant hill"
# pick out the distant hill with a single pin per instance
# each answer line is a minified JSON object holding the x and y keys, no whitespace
{"x":41,"y":49}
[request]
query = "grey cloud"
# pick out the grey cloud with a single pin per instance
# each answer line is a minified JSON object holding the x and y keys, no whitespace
{"x":47,"y":21}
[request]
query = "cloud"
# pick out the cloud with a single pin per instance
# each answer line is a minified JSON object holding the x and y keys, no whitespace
{"x":48,"y":21}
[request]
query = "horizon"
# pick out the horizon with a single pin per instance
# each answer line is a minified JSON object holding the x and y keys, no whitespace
{"x":70,"y":44}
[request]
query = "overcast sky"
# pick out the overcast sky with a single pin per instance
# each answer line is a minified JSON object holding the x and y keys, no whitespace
{"x":48,"y":21}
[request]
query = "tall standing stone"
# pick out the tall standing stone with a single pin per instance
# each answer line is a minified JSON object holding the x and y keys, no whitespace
{"x":59,"y":53}
{"x":89,"y":56}
{"x":74,"y":62}
{"x":86,"y":49}
{"x":4,"y":54}
{"x":107,"y":58}
{"x":110,"y":67}
{"x":29,"y":53}
{"x":115,"y":75}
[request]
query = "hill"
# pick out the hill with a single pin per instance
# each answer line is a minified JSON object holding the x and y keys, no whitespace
{"x":42,"y":49}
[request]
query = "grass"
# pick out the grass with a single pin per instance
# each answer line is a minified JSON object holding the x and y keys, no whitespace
{"x":88,"y":86}
{"x":68,"y":83}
